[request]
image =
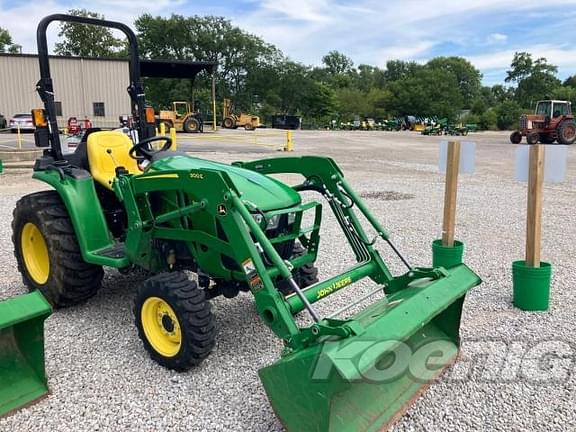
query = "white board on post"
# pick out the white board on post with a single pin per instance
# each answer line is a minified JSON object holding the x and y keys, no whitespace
{"x":555,"y":163}
{"x":467,"y":157}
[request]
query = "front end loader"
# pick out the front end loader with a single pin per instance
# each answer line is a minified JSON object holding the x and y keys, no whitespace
{"x":123,"y":204}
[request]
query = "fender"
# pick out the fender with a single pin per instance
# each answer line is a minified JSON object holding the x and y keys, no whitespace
{"x":79,"y":197}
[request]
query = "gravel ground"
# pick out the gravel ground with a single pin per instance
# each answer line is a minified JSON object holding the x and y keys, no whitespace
{"x":101,"y":378}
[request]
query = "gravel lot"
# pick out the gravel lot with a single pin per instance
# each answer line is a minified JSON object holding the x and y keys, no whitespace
{"x":101,"y":378}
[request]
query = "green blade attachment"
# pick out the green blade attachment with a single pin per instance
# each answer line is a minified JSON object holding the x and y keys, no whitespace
{"x":22,"y":374}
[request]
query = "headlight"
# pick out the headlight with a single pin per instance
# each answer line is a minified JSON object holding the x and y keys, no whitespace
{"x":258,"y":218}
{"x":273,"y":222}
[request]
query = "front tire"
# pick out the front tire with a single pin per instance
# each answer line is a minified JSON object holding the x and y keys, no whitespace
{"x":174,"y":321}
{"x":47,"y":251}
{"x":532,"y":138}
{"x":304,"y":276}
{"x":515,"y":137}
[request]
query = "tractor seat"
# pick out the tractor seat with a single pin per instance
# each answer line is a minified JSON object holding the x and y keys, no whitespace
{"x":106,"y":151}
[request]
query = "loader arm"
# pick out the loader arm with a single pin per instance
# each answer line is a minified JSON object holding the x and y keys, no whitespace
{"x":322,"y":175}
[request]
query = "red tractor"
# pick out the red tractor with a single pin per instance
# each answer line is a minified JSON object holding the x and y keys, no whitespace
{"x":552,"y":121}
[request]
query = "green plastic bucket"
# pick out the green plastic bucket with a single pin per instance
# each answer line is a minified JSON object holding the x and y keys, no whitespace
{"x":531,"y":286}
{"x":446,"y":256}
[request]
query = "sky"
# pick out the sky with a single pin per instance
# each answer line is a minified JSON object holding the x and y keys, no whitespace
{"x":486,"y":32}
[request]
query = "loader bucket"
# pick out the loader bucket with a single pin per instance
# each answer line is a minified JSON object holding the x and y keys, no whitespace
{"x":364,"y":382}
{"x":22,"y":375}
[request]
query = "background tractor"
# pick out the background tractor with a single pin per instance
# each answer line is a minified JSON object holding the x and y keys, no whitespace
{"x":181,"y":117}
{"x":119,"y":203}
{"x":552,"y":121}
{"x":233,"y":121}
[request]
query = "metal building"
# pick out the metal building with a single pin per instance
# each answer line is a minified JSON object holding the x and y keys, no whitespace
{"x":95,"y":88}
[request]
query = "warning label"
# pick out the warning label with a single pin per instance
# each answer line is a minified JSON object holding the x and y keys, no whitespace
{"x":249,"y":268}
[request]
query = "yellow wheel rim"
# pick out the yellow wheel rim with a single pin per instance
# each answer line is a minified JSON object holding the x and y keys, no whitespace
{"x":161,"y":327}
{"x":35,"y":253}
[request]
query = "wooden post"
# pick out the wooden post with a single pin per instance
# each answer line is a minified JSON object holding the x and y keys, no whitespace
{"x":534,"y":218}
{"x":452,"y":167}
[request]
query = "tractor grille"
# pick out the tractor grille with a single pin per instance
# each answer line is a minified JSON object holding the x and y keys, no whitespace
{"x":523,"y":121}
{"x":284,"y":249}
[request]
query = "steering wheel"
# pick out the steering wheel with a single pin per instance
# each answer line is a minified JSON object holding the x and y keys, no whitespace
{"x":143,"y":148}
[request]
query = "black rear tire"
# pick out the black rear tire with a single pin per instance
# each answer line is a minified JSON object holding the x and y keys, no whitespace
{"x":69,"y":279}
{"x":567,"y":132}
{"x":167,"y":125}
{"x":191,"y":125}
{"x":191,"y":315}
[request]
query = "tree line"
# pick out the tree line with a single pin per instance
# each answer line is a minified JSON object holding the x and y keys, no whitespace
{"x":259,"y":78}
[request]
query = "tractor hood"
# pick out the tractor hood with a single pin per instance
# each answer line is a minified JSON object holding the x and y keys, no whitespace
{"x":265,"y":192}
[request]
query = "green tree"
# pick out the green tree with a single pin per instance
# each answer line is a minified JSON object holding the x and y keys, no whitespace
{"x":429,"y":92}
{"x":535,"y":79}
{"x":88,"y":40}
{"x":488,"y":119}
{"x":399,"y":69}
{"x":507,"y":114}
{"x":352,"y":102}
{"x":208,"y":38}
{"x":379,"y":100}
{"x":499,"y":93}
{"x":570,"y":81}
{"x":565,"y":93}
{"x":6,"y":44}
{"x":478,"y":107}
{"x":520,"y":68}
{"x":320,"y":102}
{"x":368,"y":77}
{"x":337,"y":63}
{"x":467,"y":76}
{"x":288,"y":88}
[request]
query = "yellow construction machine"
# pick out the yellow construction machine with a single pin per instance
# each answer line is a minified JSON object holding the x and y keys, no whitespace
{"x":181,"y":117}
{"x":233,"y":121}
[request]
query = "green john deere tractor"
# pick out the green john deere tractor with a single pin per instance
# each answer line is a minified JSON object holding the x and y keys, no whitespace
{"x":120,"y":203}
